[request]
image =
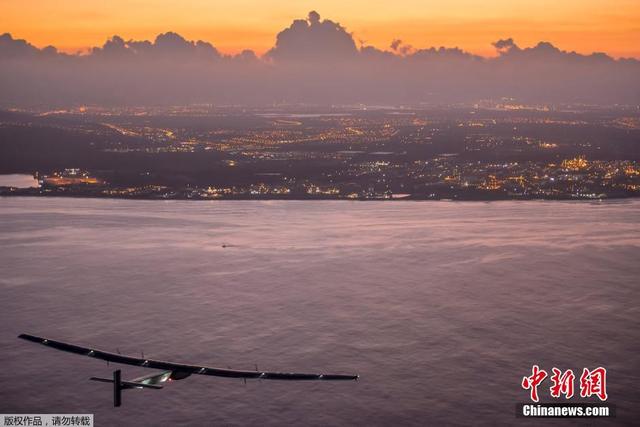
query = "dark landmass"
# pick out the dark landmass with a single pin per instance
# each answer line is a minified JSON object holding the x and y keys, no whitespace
{"x":488,"y":151}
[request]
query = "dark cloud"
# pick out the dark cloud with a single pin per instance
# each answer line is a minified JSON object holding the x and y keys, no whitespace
{"x":313,"y":61}
{"x":370,"y":53}
{"x":505,"y":45}
{"x":443,"y":53}
{"x":246,"y":55}
{"x":401,"y":48}
{"x":114,"y":47}
{"x":313,"y":39}
{"x":314,"y":18}
{"x":14,"y":48}
{"x":169,"y":45}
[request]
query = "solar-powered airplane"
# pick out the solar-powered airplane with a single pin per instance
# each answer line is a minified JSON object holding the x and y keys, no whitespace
{"x":170,"y":370}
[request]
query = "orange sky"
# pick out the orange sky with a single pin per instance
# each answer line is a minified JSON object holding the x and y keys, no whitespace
{"x":612,"y":26}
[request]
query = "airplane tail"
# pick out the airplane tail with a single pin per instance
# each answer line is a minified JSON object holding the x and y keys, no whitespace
{"x":117,"y":388}
{"x":119,"y":385}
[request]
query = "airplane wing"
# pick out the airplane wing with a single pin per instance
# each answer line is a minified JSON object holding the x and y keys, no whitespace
{"x":179,"y":368}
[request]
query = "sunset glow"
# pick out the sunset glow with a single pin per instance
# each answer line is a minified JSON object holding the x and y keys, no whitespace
{"x":585,"y":26}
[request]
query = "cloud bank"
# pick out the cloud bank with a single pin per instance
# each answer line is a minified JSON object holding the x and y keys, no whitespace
{"x":314,"y":61}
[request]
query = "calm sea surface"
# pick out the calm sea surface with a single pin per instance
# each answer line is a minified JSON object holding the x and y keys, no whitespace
{"x":441,"y":307}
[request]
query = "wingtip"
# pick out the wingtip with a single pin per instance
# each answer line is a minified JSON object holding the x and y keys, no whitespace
{"x":31,"y":338}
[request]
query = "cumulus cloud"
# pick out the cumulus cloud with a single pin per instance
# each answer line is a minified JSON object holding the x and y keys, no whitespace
{"x":168,"y":45}
{"x":313,"y":39}
{"x":505,"y":45}
{"x":14,"y":48}
{"x":443,"y":53}
{"x":399,"y":47}
{"x":314,"y":60}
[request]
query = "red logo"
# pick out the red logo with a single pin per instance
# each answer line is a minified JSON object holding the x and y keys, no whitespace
{"x":592,"y":383}
{"x":562,"y":383}
{"x":532,"y":382}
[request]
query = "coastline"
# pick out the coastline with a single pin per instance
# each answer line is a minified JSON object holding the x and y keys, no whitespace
{"x":323,"y":198}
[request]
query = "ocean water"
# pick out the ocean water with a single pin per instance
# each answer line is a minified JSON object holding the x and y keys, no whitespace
{"x":440,"y":307}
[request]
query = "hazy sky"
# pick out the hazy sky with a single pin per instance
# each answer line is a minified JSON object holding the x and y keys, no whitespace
{"x":611,"y":26}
